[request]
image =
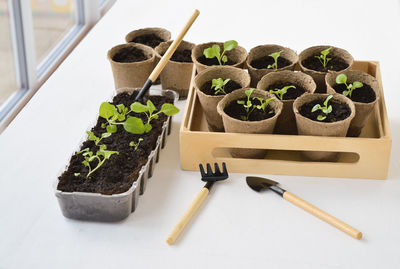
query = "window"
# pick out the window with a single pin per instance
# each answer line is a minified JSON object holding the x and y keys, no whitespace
{"x":52,"y":20}
{"x":8,"y":84}
{"x":35,"y":37}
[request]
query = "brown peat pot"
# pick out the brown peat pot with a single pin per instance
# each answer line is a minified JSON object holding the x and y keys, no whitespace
{"x":364,"y":98}
{"x":286,"y":123}
{"x":236,"y":57}
{"x":307,"y":126}
{"x":209,"y":101}
{"x":309,"y":64}
{"x":177,"y":74}
{"x":258,"y":61}
{"x":131,"y":64}
{"x":233,"y":125}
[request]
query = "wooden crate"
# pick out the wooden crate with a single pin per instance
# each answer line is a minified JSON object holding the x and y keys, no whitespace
{"x":366,"y":156}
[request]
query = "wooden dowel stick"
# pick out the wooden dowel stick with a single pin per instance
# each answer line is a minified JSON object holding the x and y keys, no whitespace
{"x":168,"y":54}
{"x":322,"y":215}
{"x":187,"y":216}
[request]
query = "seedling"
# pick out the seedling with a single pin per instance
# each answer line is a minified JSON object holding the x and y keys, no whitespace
{"x":135,"y":145}
{"x":342,"y":79}
{"x":115,"y":115}
{"x":219,"y":85}
{"x":322,"y":58}
{"x":280,"y":92}
{"x":325,"y":109}
{"x":93,"y":137}
{"x":215,"y":51}
{"x":250,"y":106}
{"x":90,"y":157}
{"x":275,"y":55}
{"x":148,"y":110}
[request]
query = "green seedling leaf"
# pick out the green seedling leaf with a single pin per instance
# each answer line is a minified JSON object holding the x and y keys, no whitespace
{"x":341,"y":79}
{"x":121,"y":108}
{"x":151,"y":106}
{"x":224,"y":59}
{"x":111,"y":129}
{"x":105,"y":135}
{"x":107,"y":110}
{"x":326,"y":51}
{"x":316,"y":107}
{"x":249,"y":92}
{"x":357,"y":84}
{"x":230,"y":45}
{"x":327,"y":99}
{"x":147,"y":127}
{"x":134,"y":125}
{"x":169,"y":109}
{"x":77,"y":174}
{"x":139,"y":108}
{"x":321,"y":117}
{"x":91,"y":135}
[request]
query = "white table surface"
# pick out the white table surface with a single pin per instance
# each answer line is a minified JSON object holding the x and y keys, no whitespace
{"x":236,"y":228}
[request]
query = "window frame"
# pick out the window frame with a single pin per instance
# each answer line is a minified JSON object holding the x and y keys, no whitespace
{"x":30,"y":75}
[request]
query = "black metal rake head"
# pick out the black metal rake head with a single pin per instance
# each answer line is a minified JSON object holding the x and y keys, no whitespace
{"x":209,"y":176}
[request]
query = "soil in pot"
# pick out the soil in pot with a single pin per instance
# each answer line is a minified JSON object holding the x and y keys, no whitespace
{"x":213,"y":61}
{"x":151,"y":40}
{"x":237,"y":111}
{"x":229,"y":87}
{"x":335,"y":64}
{"x":340,"y":111}
{"x":129,"y":55}
{"x":181,"y":56}
{"x":292,"y":93}
{"x":365,"y":94}
{"x":263,"y":62}
{"x":118,"y":173}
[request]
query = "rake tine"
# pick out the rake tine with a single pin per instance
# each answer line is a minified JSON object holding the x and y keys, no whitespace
{"x":216,"y":169}
{"x":209,"y":171}
{"x":203,"y":174}
{"x":224,"y":171}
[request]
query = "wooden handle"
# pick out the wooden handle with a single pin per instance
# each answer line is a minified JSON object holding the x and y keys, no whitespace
{"x":322,"y":215}
{"x":161,"y":64}
{"x":187,"y":216}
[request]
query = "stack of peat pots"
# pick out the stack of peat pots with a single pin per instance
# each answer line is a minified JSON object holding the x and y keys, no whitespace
{"x":133,"y":62}
{"x":271,"y":97}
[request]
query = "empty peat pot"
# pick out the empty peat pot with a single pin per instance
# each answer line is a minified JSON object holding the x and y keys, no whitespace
{"x":286,"y":123}
{"x":151,"y":36}
{"x":177,"y":73}
{"x":236,"y":57}
{"x":258,"y":60}
{"x":309,"y":63}
{"x":239,"y":78}
{"x":131,"y":64}
{"x":336,"y":123}
{"x":364,"y":98}
{"x":264,"y":123}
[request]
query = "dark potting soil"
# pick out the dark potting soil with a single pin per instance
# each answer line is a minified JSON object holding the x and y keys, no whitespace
{"x":129,"y":55}
{"x":313,"y":63}
{"x":291,"y":93}
{"x":365,"y":94}
{"x":150,"y":40}
{"x":118,"y":173}
{"x":236,"y":111}
{"x":263,"y":62}
{"x":340,"y":111}
{"x":213,"y":61}
{"x":229,"y":87}
{"x":182,"y":56}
